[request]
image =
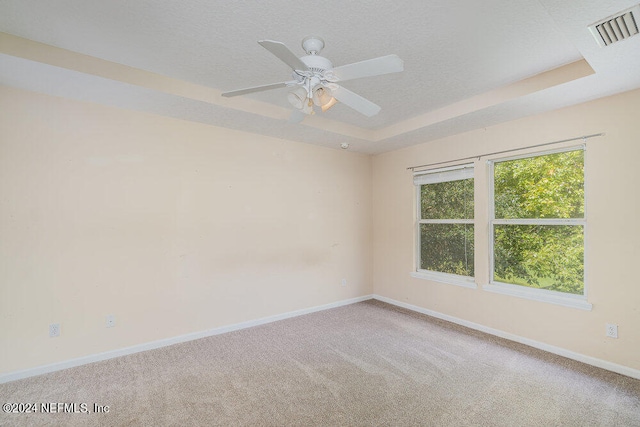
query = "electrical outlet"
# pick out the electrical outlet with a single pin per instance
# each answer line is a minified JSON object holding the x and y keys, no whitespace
{"x":111,"y":321}
{"x":54,"y":330}
{"x":344,"y":282}
{"x":612,"y":330}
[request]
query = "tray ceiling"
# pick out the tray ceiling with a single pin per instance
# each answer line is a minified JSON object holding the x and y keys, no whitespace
{"x":468,"y":64}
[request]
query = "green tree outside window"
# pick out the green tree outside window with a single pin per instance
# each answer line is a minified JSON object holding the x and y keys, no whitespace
{"x":538,"y":229}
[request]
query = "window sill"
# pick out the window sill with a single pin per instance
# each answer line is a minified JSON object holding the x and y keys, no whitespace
{"x":451,"y":279}
{"x":571,"y":301}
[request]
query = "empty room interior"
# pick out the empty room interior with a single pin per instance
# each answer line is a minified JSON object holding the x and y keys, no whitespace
{"x":319,"y":213}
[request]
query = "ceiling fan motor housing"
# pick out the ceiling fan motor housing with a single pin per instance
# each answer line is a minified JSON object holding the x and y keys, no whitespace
{"x":317,"y":63}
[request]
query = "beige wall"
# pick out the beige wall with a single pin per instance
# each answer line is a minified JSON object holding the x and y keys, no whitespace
{"x":173,"y":227}
{"x":176,"y":227}
{"x":612,"y":250}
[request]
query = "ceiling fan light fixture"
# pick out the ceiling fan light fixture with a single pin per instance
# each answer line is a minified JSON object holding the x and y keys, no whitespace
{"x":298,"y":98}
{"x":329,"y":104}
{"x":321,"y":96}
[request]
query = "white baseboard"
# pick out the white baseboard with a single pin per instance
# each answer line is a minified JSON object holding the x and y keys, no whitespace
{"x":609,"y":366}
{"x":12,"y":376}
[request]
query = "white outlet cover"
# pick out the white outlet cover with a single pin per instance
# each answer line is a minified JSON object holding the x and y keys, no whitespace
{"x":54,"y":330}
{"x":611,"y":330}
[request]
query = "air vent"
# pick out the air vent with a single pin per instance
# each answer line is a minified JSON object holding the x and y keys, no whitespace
{"x":616,"y":28}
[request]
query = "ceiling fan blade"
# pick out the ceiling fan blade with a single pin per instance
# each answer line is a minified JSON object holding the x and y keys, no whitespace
{"x":284,"y":54}
{"x":256,"y":89}
{"x":371,"y":67}
{"x":355,"y":101}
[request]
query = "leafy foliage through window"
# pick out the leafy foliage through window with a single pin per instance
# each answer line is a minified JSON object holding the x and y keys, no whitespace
{"x":538,"y":228}
{"x":446,"y":222}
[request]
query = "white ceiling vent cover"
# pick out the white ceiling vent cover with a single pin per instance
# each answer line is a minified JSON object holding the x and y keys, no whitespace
{"x":616,"y":28}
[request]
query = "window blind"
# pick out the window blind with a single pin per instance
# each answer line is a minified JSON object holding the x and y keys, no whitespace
{"x":455,"y":173}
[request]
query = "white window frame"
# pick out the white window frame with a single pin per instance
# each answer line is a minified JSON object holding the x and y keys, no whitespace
{"x":544,"y":295}
{"x":433,"y":176}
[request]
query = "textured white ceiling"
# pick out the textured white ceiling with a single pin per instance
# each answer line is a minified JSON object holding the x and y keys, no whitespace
{"x":452,"y":50}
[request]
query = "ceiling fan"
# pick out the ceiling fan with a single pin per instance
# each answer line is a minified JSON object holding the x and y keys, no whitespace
{"x":315,"y":79}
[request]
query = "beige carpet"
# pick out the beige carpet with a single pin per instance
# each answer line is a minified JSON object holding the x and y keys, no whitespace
{"x":367,"y":364}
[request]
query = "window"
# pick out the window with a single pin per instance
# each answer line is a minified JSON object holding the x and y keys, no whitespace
{"x":445,"y":225}
{"x":537,"y":224}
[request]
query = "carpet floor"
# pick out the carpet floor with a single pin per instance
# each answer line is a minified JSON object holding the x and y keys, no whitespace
{"x":365,"y":364}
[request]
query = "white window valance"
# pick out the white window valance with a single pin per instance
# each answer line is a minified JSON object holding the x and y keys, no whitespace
{"x":453,"y":173}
